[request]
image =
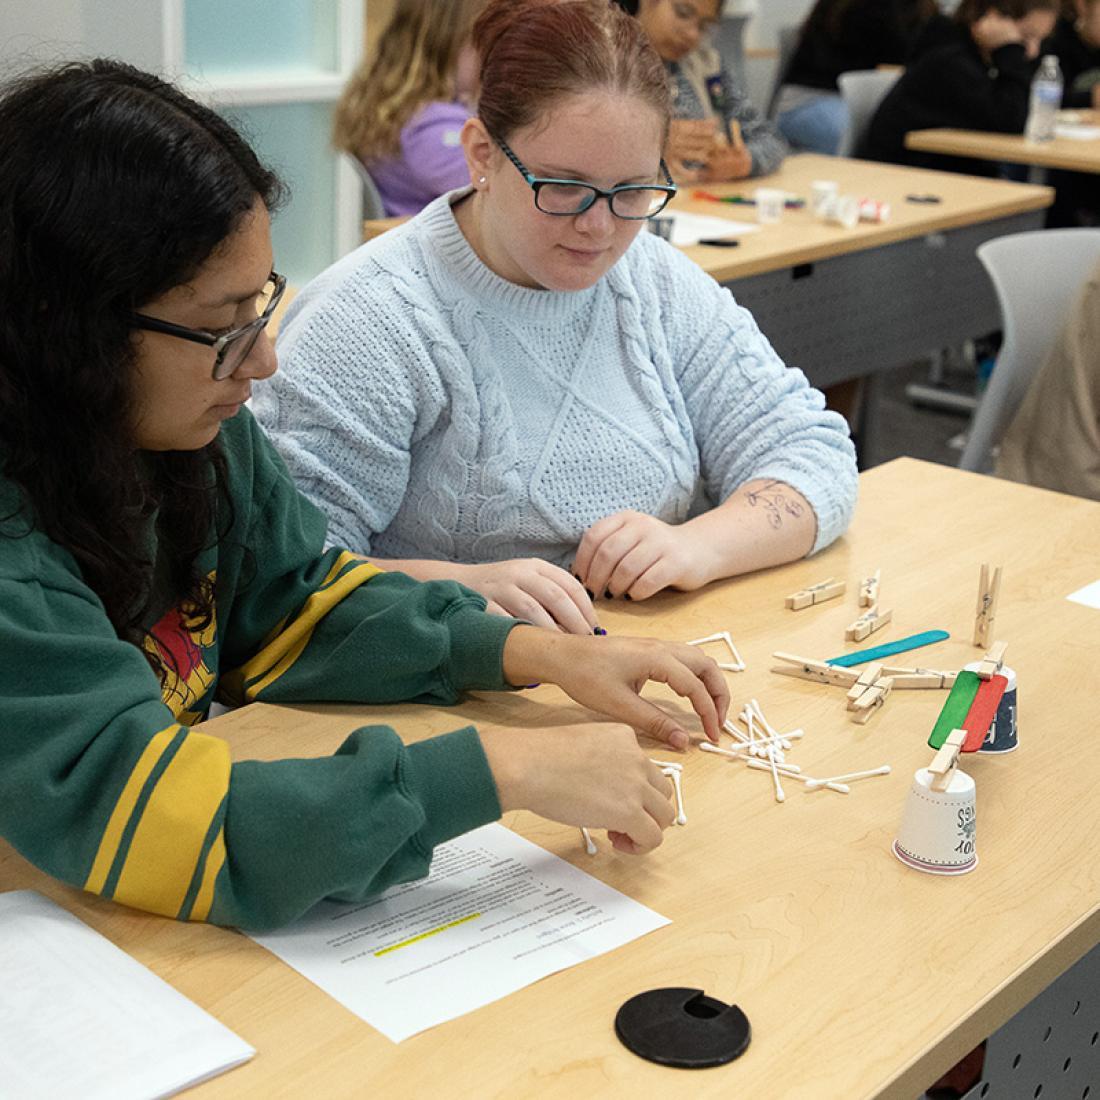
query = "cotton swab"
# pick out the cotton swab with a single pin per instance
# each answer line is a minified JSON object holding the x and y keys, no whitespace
{"x":674,"y":775}
{"x":785,"y":770}
{"x":667,"y":764}
{"x":884,"y":770}
{"x":779,"y":794}
{"x":706,"y":746}
{"x":589,"y":843}
{"x":737,"y":664}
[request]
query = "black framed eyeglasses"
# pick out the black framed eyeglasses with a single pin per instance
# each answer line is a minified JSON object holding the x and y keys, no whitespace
{"x":231,"y":348}
{"x":567,"y":198}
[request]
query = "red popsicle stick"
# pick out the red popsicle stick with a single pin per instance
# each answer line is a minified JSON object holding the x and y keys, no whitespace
{"x":982,"y":712}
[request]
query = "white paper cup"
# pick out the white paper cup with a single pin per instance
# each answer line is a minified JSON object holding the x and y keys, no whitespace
{"x":821,"y":192}
{"x":841,"y":210}
{"x":938,"y":827}
{"x":769,"y":205}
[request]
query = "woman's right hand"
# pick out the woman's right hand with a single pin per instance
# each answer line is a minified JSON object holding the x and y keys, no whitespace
{"x":532,"y":589}
{"x":596,"y":777}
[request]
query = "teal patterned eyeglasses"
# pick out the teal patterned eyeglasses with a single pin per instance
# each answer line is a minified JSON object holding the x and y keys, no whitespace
{"x":567,"y":198}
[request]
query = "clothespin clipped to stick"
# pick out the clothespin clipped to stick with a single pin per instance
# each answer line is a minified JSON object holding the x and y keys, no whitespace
{"x":946,"y":760}
{"x":827,"y":589}
{"x":993,"y":661}
{"x":871,"y":620}
{"x":871,"y":700}
{"x":805,"y":668}
{"x":920,"y":678}
{"x":865,"y":680}
{"x":868,"y":589}
{"x":989,"y":588}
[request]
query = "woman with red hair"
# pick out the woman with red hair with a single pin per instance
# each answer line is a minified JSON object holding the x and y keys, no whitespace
{"x":521,"y":389}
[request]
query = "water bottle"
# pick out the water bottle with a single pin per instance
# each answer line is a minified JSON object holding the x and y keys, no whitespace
{"x":1046,"y":98}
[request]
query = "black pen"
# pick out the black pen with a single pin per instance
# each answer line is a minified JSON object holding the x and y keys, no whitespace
{"x":720,"y":242}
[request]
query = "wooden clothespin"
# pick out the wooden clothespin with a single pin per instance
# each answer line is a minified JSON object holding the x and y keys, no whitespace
{"x":946,"y":760}
{"x":871,"y":700}
{"x":804,"y":668}
{"x":918,"y":678}
{"x":871,"y":620}
{"x":868,"y":589}
{"x":988,"y":590}
{"x":993,"y":661}
{"x":865,"y":680}
{"x":827,"y":589}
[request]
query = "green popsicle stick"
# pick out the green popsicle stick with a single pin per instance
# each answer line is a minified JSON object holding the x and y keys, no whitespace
{"x":955,"y":709}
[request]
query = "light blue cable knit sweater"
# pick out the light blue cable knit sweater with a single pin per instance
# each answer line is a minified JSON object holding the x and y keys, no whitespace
{"x":435,"y":410}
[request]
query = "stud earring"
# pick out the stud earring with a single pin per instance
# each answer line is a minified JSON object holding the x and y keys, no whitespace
{"x":480,"y":179}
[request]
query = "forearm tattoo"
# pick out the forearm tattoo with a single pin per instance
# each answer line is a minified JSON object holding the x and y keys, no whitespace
{"x":774,"y":497}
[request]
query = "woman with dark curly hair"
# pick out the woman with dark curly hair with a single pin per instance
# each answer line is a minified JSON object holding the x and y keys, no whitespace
{"x":154,"y":555}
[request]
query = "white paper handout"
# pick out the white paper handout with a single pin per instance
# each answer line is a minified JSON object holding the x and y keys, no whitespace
{"x":1089,"y":595}
{"x":693,"y":228}
{"x":81,"y":1018}
{"x":495,"y":914}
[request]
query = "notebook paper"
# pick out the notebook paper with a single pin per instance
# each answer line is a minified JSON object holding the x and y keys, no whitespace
{"x":80,"y":1018}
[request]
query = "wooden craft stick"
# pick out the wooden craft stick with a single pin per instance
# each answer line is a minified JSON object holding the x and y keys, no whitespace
{"x":993,"y":661}
{"x":868,"y":589}
{"x":878,"y":652}
{"x":870,"y":621}
{"x":982,"y":712}
{"x":827,"y":589}
{"x":989,"y":588}
{"x":955,"y":708}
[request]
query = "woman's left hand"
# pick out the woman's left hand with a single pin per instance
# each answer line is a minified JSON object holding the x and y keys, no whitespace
{"x":636,"y":555}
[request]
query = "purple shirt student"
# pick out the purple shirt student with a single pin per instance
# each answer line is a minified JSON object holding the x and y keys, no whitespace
{"x":431,"y":160}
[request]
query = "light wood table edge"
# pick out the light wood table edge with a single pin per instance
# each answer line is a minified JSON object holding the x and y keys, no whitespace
{"x":1065,"y":153}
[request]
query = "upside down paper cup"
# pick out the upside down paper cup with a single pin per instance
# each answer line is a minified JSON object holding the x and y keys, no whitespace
{"x":938,"y":827}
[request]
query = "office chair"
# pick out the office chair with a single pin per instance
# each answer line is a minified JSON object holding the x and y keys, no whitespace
{"x":372,"y":200}
{"x":862,"y":90}
{"x":1036,"y":276}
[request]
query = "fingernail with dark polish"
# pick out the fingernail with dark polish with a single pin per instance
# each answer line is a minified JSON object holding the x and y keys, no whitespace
{"x":607,"y":594}
{"x":599,"y":630}
{"x":591,"y":594}
{"x":627,"y":596}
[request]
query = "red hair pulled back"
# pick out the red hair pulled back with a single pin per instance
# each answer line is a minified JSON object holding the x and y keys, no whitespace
{"x":536,"y":52}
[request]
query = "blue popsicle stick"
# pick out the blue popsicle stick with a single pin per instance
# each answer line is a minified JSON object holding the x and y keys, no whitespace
{"x":877,"y":652}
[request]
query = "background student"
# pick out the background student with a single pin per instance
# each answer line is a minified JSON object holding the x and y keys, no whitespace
{"x":839,"y":36}
{"x":980,"y":80}
{"x":154,"y":555}
{"x":522,"y":389}
{"x":1076,"y":44}
{"x":715,"y":134}
{"x":402,"y":111}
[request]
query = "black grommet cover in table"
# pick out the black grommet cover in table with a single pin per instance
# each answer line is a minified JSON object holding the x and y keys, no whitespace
{"x":682,"y":1028}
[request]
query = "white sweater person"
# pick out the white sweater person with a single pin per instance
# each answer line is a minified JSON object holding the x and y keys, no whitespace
{"x":437,"y":411}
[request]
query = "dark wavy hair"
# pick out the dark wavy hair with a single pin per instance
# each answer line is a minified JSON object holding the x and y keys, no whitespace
{"x":114,"y":188}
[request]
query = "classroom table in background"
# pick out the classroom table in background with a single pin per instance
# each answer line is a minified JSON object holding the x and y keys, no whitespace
{"x":860,"y":976}
{"x":847,"y":303}
{"x":1072,"y":154}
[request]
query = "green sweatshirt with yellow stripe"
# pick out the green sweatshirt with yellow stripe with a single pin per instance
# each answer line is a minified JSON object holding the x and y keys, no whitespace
{"x":106,"y":784}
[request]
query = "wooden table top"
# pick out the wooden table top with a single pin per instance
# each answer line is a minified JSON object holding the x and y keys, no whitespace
{"x":1074,"y":154}
{"x":861,"y":977}
{"x":801,"y":239}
